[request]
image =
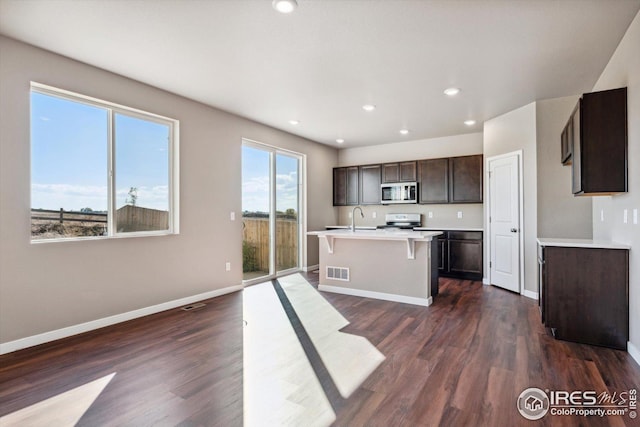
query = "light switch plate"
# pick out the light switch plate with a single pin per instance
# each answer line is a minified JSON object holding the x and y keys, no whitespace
{"x":374,"y":215}
{"x":635,"y":216}
{"x":232,"y":216}
{"x":227,"y":266}
{"x":601,"y":215}
{"x":459,"y":214}
{"x":430,"y":214}
{"x":625,"y":216}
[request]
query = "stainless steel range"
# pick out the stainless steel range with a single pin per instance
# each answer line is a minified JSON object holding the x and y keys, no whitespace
{"x":401,"y":221}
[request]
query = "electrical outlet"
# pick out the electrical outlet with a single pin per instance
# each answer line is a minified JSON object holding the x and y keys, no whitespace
{"x":430,"y":214}
{"x":459,"y":214}
{"x":374,"y":215}
{"x":635,"y":216}
{"x":233,"y":216}
{"x":625,"y":216}
{"x":350,"y":214}
{"x":227,"y":266}
{"x":601,"y":215}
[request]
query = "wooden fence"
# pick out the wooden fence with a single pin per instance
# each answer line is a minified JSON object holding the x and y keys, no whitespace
{"x":63,"y":216}
{"x":136,"y":218}
{"x":129,"y":218}
{"x":255,"y":237}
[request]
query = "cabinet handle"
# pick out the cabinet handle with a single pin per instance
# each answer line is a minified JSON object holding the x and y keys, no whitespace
{"x":514,"y":230}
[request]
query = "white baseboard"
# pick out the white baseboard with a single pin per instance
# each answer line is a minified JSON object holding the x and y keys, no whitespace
{"x":530,"y":294}
{"x":425,"y":302}
{"x":485,"y":281}
{"x":57,"y":334}
{"x":633,"y":351}
{"x":311,"y":268}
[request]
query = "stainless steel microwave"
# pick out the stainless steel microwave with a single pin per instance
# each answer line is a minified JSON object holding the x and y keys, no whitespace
{"x":399,"y":192}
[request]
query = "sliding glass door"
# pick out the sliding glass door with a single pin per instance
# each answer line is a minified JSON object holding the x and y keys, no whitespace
{"x":271,"y":188}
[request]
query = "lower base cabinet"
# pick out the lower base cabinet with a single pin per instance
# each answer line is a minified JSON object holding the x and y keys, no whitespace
{"x":460,"y":254}
{"x":585,"y":294}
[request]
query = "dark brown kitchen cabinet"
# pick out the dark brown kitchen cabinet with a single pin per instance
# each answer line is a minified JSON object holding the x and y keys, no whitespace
{"x":345,"y":186}
{"x":433,"y":180}
{"x":585,"y":294}
{"x":460,"y":254}
{"x":599,"y":159}
{"x":339,"y":186}
{"x":399,"y":172}
{"x":566,"y":143}
{"x":465,"y":179}
{"x":444,"y":180}
{"x":370,"y":185}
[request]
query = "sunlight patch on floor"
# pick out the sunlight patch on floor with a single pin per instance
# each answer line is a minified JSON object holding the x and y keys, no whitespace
{"x":350,"y":359}
{"x":61,"y":410}
{"x":280,"y":386}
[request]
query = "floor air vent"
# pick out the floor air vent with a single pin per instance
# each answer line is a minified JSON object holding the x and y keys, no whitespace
{"x":192,"y":307}
{"x":338,"y":273}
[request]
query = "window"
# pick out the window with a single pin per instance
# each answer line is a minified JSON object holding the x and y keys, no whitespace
{"x":271,"y":211}
{"x":100,"y":169}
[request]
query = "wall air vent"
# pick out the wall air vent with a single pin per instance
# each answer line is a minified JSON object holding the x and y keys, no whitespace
{"x":338,"y":273}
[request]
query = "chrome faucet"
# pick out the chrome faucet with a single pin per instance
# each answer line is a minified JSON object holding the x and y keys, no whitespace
{"x":353,"y":217}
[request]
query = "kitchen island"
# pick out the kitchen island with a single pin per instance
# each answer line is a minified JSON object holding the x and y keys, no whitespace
{"x":393,"y":265}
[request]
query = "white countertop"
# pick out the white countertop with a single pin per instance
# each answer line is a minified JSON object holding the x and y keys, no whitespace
{"x":408,"y":236}
{"x":372,"y":227}
{"x":373,"y":234}
{"x":582,"y":243}
{"x":448,"y":229}
{"x":345,"y":227}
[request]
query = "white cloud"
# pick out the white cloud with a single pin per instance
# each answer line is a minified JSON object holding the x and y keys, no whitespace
{"x":255,"y":193}
{"x":68,"y":196}
{"x":76,"y":197}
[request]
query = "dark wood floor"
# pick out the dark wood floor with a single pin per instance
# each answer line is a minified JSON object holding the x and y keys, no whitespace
{"x":462,"y":361}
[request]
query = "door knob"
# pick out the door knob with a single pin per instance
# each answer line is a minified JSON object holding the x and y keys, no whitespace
{"x":514,"y":230}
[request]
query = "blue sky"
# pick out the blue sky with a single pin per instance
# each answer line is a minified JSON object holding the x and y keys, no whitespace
{"x":255,"y":181}
{"x":69,"y":159}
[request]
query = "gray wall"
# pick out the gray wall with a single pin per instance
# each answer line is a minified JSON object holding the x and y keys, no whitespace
{"x":44,"y":287}
{"x":510,"y":132}
{"x":560,"y":214}
{"x":624,"y":70}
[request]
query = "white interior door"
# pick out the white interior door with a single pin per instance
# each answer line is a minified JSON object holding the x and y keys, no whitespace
{"x":504,"y":218}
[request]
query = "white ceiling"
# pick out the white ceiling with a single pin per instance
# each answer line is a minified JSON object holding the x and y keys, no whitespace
{"x":320,"y":64}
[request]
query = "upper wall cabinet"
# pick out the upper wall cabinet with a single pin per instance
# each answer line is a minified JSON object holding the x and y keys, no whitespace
{"x":465,"y":179}
{"x":345,"y":186}
{"x":399,"y":172}
{"x":433,"y":184}
{"x":599,"y":158}
{"x":566,"y":143}
{"x":370,"y":185}
{"x":446,"y":180}
{"x":451,"y":180}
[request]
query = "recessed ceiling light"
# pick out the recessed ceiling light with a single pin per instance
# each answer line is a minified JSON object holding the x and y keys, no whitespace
{"x":404,"y":131}
{"x":284,"y":6}
{"x":368,"y":107}
{"x":469,"y":122}
{"x":339,"y":140}
{"x":294,"y":122}
{"x":452,"y":91}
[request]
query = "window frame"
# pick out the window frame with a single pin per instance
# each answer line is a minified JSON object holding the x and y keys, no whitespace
{"x":112,"y":109}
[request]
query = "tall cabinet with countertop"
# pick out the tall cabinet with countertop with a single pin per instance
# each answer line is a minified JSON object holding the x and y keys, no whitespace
{"x":584,"y":290}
